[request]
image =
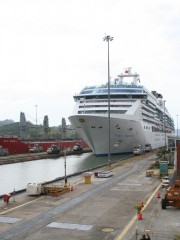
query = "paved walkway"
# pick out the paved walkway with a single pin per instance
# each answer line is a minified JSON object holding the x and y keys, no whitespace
{"x":101,"y":210}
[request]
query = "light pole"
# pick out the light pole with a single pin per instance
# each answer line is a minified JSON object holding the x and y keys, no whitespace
{"x":36,"y":114}
{"x":164,"y":123}
{"x":177,"y":124}
{"x":108,"y":38}
{"x":65,"y":177}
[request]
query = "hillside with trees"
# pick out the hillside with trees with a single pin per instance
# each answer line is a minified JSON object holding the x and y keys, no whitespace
{"x":8,"y":128}
{"x":6,"y":122}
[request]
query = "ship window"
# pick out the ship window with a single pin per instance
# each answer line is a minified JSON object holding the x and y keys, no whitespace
{"x":100,"y":126}
{"x":101,"y":106}
{"x":117,"y":91}
{"x":93,"y":127}
{"x":86,"y":92}
{"x":102,"y":112}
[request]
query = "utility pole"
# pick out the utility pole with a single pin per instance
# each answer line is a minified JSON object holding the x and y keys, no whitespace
{"x":36,"y":114}
{"x":108,"y":38}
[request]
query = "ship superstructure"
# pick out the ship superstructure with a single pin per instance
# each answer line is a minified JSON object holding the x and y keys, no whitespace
{"x":137,"y":116}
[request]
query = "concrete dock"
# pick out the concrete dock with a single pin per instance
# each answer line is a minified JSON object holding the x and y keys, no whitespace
{"x":102,"y":209}
{"x":16,"y":158}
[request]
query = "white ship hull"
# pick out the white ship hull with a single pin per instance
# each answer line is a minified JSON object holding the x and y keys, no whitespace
{"x":125,"y":133}
{"x":126,"y":115}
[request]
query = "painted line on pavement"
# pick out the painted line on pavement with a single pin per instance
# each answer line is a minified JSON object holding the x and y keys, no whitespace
{"x":11,"y":209}
{"x":125,"y":230}
{"x":21,"y":205}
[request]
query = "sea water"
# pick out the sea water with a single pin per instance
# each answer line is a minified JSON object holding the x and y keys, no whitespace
{"x":16,"y":176}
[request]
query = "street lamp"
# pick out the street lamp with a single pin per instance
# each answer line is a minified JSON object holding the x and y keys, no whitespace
{"x":108,"y":38}
{"x":36,"y":114}
{"x":165,"y":122}
{"x":65,"y":177}
{"x":177,"y":124}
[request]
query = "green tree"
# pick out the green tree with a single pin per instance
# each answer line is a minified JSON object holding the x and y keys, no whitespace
{"x":162,"y":154}
{"x":138,"y":208}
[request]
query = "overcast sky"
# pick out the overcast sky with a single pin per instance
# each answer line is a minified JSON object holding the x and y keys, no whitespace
{"x":51,"y":49}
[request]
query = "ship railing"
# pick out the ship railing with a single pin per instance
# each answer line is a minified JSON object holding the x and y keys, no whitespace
{"x":113,"y":85}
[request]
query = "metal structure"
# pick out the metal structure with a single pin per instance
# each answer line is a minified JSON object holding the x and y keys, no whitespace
{"x":22,"y":126}
{"x":46,"y":126}
{"x":36,"y":113}
{"x":63,"y":128}
{"x":164,"y":123}
{"x":108,"y":38}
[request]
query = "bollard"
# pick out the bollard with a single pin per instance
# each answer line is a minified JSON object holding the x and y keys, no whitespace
{"x":158,"y":195}
{"x":87,"y":177}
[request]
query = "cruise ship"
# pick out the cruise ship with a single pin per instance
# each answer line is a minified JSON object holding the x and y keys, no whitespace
{"x":116,"y":116}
